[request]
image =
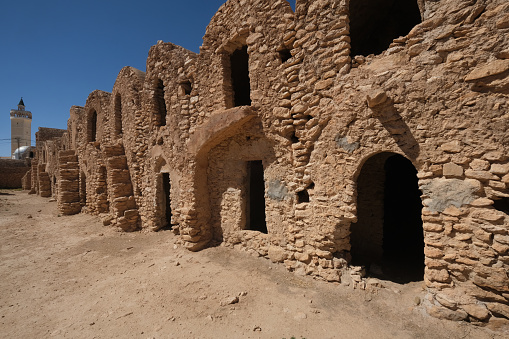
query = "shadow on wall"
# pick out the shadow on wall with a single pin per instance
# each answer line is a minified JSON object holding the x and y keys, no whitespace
{"x":399,"y":130}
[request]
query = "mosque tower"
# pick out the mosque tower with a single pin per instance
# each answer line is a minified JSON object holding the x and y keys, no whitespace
{"x":21,"y":127}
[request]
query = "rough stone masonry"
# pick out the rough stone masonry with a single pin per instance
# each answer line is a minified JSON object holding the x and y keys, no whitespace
{"x":347,"y":139}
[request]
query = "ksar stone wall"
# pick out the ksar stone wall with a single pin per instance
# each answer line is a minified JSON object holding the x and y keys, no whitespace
{"x":12,"y":172}
{"x":344,"y":140}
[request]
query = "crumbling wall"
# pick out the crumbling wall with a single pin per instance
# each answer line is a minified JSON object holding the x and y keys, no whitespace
{"x":92,"y":138}
{"x":12,"y":172}
{"x":26,"y":181}
{"x":127,"y":121}
{"x":45,"y":165}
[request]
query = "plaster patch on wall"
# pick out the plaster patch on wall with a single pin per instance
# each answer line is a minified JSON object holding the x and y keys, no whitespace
{"x":443,"y":193}
{"x":342,"y":142}
{"x":277,"y":190}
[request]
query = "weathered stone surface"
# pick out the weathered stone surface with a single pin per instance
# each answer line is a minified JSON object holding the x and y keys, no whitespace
{"x":438,"y":275}
{"x":452,"y":170}
{"x":277,"y":254}
{"x":499,"y":169}
{"x":488,"y":214}
{"x":448,"y":192}
{"x":480,"y":175}
{"x":452,"y":146}
{"x":478,"y":311}
{"x":445,"y":313}
{"x":493,"y":68}
{"x":499,"y":309}
{"x":376,"y":97}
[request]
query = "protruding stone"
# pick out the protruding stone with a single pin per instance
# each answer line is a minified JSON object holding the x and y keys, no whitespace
{"x":376,"y":97}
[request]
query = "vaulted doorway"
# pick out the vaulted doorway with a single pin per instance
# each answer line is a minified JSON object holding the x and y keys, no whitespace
{"x":388,"y":236}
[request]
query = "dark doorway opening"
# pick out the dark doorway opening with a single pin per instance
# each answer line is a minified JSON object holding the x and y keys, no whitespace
{"x":102,"y":190}
{"x":83,"y":189}
{"x":54,"y":186}
{"x":167,"y":200}
{"x":374,"y":24}
{"x":388,"y":236}
{"x":255,"y":218}
{"x":160,"y":103}
{"x":239,"y":61}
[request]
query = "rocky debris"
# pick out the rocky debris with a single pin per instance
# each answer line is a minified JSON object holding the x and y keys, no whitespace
{"x":229,"y":301}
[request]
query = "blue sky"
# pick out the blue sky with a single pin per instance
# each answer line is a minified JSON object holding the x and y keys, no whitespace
{"x":54,"y":53}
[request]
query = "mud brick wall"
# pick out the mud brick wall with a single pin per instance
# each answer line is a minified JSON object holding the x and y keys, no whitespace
{"x":12,"y":172}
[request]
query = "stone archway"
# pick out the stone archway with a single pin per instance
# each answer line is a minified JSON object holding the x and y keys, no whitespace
{"x":388,"y":236}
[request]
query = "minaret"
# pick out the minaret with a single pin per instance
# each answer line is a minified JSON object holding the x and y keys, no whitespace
{"x":21,"y":127}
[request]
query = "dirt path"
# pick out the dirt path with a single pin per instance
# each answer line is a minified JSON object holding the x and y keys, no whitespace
{"x":70,"y":277}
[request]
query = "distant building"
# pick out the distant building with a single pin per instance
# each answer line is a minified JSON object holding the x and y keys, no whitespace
{"x":23,"y":152}
{"x":21,"y":127}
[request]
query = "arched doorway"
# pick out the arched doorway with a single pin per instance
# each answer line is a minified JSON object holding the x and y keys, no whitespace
{"x":388,"y":236}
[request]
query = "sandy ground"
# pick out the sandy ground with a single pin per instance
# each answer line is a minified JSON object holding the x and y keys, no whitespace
{"x":71,"y":277}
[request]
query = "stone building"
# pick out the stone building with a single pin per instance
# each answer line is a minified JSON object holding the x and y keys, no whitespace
{"x":343,"y":140}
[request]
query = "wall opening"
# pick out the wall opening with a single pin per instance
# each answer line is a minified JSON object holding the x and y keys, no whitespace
{"x":159,"y":93}
{"x":31,"y":154}
{"x":388,"y":236}
{"x":102,"y":190}
{"x":374,"y":24}
{"x":186,"y":87}
{"x":302,"y":196}
{"x":285,"y":54}
{"x":118,"y":114}
{"x":83,"y":189}
{"x":239,"y":63}
{"x":166,"y":186}
{"x":92,"y":127}
{"x":293,"y":138}
{"x":255,"y":207}
{"x":54,"y":188}
{"x":502,"y":205}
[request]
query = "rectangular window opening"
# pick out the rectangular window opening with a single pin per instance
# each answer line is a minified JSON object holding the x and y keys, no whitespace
{"x":255,"y":208}
{"x":239,"y":63}
{"x":160,"y":103}
{"x":118,"y":114}
{"x":92,"y":127}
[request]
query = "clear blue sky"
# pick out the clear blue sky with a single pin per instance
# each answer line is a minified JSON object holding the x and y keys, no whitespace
{"x":53,"y":53}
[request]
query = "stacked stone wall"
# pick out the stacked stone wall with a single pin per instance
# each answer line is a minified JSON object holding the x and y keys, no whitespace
{"x":68,"y":197}
{"x":318,"y":117}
